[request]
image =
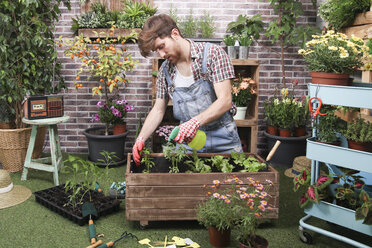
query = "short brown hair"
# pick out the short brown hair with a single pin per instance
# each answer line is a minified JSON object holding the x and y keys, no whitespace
{"x":158,"y":26}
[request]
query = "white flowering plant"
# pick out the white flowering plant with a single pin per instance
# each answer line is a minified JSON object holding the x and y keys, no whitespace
{"x":287,"y":111}
{"x":237,"y":203}
{"x":242,"y":90}
{"x":334,"y":52}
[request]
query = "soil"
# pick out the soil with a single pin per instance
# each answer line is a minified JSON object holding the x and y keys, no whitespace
{"x":56,"y":199}
{"x":162,"y":165}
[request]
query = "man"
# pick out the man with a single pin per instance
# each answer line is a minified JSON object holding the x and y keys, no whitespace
{"x":196,"y":77}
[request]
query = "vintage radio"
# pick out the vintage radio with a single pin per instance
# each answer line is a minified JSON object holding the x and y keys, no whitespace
{"x":39,"y":107}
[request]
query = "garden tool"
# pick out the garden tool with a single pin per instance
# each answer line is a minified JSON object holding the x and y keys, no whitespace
{"x":145,"y":242}
{"x":88,"y":209}
{"x":112,"y":243}
{"x":197,"y":142}
{"x":315,"y":112}
{"x":98,"y":188}
{"x":99,"y":242}
{"x":272,"y":152}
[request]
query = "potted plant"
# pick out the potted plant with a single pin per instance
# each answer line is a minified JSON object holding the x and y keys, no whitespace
{"x":332,"y":56}
{"x":27,"y":67}
{"x":163,"y":132}
{"x":345,"y":189}
{"x":107,"y":61}
{"x":215,"y":213}
{"x":246,"y":29}
{"x":230,"y":41}
{"x":339,"y":14}
{"x":242,"y":90}
{"x":359,"y":135}
{"x":329,"y":126}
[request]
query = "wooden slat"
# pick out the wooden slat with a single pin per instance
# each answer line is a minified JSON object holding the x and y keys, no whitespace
{"x":110,"y":4}
{"x":363,"y":18}
{"x":103,"y":32}
{"x":363,"y":31}
{"x":163,"y":203}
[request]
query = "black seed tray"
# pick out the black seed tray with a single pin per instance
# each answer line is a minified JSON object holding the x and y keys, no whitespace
{"x":56,"y":199}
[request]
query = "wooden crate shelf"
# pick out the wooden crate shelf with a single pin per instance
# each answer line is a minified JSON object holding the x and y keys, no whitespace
{"x":244,"y":68}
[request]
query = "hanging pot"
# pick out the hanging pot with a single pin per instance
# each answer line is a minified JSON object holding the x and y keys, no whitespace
{"x":219,"y":238}
{"x":119,"y":128}
{"x":261,"y":242}
{"x":330,"y":78}
{"x":240,"y":113}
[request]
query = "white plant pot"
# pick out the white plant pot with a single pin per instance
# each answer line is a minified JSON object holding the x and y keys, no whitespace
{"x":240,"y":113}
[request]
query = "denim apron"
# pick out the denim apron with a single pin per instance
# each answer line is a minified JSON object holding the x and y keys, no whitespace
{"x":188,"y":102}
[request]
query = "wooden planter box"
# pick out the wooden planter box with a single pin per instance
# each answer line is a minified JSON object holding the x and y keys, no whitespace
{"x":174,"y":196}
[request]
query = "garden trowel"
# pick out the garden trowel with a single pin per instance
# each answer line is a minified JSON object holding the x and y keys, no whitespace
{"x":88,"y":209}
{"x":272,"y":152}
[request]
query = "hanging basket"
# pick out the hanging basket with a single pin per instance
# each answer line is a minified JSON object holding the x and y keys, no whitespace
{"x":14,"y":144}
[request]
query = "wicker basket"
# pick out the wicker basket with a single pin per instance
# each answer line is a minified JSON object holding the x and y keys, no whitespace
{"x":14,"y":144}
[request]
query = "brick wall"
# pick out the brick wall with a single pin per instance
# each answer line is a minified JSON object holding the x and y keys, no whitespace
{"x":80,"y":104}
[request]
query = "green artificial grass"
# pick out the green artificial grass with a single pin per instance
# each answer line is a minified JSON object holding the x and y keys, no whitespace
{"x":32,"y":225}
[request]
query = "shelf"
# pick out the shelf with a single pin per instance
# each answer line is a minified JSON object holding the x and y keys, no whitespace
{"x":246,"y":122}
{"x":103,"y":32}
{"x":331,"y":213}
{"x":340,"y":156}
{"x":350,"y":96}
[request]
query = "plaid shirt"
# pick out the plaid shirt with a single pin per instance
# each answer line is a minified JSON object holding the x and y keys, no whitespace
{"x":219,"y":67}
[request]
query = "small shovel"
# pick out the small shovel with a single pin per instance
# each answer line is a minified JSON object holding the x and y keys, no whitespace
{"x":272,"y":152}
{"x":88,"y":209}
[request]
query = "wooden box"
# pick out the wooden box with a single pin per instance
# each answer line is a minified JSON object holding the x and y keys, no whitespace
{"x":174,"y":196}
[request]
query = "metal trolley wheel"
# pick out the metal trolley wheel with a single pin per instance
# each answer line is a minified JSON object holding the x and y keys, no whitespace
{"x":305,"y":237}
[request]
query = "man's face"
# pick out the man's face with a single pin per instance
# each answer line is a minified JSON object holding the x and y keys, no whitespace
{"x":167,"y":48}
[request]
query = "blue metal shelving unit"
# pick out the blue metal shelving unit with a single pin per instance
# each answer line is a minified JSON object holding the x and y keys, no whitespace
{"x":360,"y":97}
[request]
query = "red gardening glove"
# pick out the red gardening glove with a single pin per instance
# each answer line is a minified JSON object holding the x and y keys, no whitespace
{"x":187,"y":131}
{"x":137,"y":148}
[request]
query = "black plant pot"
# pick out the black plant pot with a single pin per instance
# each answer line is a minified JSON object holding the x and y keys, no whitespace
{"x":98,"y":142}
{"x":289,"y":148}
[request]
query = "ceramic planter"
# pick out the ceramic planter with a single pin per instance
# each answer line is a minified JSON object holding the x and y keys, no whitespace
{"x":240,"y":113}
{"x":119,"y":128}
{"x":361,"y":146}
{"x":161,"y":196}
{"x":219,"y":238}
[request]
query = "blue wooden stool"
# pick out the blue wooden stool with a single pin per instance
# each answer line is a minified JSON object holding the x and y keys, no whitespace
{"x":52,"y":163}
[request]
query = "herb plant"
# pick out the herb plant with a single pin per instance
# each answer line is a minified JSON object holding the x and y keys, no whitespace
{"x":222,"y":163}
{"x":175,"y":155}
{"x":360,"y":131}
{"x":249,"y":164}
{"x":229,"y":40}
{"x":206,"y":25}
{"x":189,"y":25}
{"x":198,"y":164}
{"x":147,"y":160}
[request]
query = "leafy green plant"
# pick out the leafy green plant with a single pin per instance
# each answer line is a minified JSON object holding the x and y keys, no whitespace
{"x":229,"y":40}
{"x":135,"y":14}
{"x":249,"y":164}
{"x":198,"y":164}
{"x":173,"y":14}
{"x":246,"y":28}
{"x":98,"y":17}
{"x":175,"y":155}
{"x":222,"y":163}
{"x":206,"y":25}
{"x":364,"y":212}
{"x":360,"y":130}
{"x":340,"y":13}
{"x":189,"y":25}
{"x":147,"y":160}
{"x":28,"y":55}
{"x":328,"y":125}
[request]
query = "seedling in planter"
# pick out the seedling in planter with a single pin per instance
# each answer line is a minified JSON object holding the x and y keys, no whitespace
{"x":109,"y":159}
{"x":250,"y":163}
{"x":198,"y":164}
{"x":222,"y":163}
{"x":175,"y":156}
{"x":147,"y":160}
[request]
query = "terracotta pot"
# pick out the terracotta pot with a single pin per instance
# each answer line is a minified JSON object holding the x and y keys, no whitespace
{"x":219,"y":238}
{"x":300,"y":131}
{"x":361,"y":146}
{"x":261,"y":242}
{"x":119,"y":128}
{"x":330,"y":78}
{"x":284,"y":132}
{"x":272,"y":130}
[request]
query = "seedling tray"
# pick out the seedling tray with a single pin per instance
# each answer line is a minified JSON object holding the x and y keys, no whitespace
{"x":55,"y":199}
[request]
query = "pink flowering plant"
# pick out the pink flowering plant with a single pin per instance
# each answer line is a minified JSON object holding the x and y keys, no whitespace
{"x":112,"y":112}
{"x":164,"y":131}
{"x":238,"y":204}
{"x":242,"y":90}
